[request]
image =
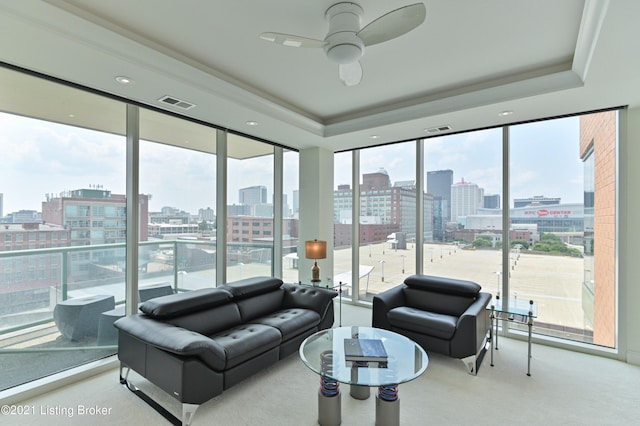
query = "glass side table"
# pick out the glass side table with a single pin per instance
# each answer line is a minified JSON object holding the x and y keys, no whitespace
{"x":516,"y":310}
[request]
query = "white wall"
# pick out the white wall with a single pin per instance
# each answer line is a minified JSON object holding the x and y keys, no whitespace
{"x":629,"y":237}
{"x":316,"y":208}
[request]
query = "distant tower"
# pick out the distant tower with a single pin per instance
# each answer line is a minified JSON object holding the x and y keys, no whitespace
{"x":466,"y":199}
{"x":439,"y":185}
{"x":253,"y":195}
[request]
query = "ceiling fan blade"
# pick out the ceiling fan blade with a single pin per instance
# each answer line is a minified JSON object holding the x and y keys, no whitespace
{"x":291,"y":40}
{"x":393,"y":24}
{"x":351,"y":74}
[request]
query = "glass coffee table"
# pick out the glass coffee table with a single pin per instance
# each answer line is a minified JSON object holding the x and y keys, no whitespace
{"x":324,"y":353}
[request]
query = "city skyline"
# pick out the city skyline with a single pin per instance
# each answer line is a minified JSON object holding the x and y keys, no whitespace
{"x":49,"y":158}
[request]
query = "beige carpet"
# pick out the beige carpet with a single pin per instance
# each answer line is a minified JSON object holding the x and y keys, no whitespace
{"x":566,"y":388}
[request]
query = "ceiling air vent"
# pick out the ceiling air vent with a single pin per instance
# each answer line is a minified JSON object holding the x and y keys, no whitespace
{"x":438,"y":129}
{"x":176,"y":102}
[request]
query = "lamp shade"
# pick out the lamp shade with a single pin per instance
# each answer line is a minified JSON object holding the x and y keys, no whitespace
{"x":315,"y":249}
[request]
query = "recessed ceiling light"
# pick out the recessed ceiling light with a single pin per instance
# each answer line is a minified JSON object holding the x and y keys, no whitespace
{"x":251,"y":123}
{"x":505,"y":113}
{"x":123,"y":79}
{"x":375,"y":137}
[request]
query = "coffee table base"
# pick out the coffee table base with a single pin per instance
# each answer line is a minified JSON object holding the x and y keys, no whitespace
{"x":387,"y":412}
{"x":359,"y":391}
{"x":329,"y":409}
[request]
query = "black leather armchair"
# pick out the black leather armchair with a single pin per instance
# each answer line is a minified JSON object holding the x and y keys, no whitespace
{"x":442,"y":315}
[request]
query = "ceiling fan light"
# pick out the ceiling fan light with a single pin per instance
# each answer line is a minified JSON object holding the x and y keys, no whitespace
{"x":344,"y":53}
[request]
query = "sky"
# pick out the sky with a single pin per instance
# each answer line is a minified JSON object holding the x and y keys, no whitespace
{"x":41,"y":158}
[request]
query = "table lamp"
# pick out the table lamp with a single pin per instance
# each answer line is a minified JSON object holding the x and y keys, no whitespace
{"x":315,"y":250}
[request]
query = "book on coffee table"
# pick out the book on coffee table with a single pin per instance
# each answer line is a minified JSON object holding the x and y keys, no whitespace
{"x":364,"y":350}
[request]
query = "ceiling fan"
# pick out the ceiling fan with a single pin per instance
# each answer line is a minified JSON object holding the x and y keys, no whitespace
{"x":345,"y":41}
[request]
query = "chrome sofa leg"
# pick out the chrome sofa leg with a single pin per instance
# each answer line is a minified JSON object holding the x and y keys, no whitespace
{"x":470,"y":362}
{"x":124,"y":377}
{"x":188,"y":411}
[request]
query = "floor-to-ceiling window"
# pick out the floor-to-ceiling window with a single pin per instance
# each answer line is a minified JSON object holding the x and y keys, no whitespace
{"x":250,"y":219}
{"x":463,"y":178}
{"x":177,"y":203}
{"x":563,"y":186}
{"x":63,"y":230}
{"x":388,"y":200}
{"x":290,"y":215}
{"x":64,"y":212}
{"x":342,"y":220}
{"x":550,"y":236}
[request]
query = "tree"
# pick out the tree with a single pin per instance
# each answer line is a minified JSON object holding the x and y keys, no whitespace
{"x":482,"y":241}
{"x":523,"y":243}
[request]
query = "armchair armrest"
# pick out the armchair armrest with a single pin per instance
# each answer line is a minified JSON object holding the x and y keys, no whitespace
{"x":174,"y":339}
{"x":472,"y":327}
{"x":383,"y":303}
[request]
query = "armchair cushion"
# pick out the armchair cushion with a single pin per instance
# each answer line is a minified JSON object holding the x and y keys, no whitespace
{"x":433,"y":324}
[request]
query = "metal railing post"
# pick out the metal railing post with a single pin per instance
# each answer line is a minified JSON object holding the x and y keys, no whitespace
{"x":63,"y":277}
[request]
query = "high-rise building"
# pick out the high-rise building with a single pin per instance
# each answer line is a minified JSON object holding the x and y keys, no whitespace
{"x":466,"y":199}
{"x":94,"y":216}
{"x":296,"y":202}
{"x":206,"y":214}
{"x":393,"y":207}
{"x":253,"y":195}
{"x":439,"y":185}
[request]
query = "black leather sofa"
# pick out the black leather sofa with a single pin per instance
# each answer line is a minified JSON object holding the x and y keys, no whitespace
{"x":442,"y":315}
{"x":197,"y":344}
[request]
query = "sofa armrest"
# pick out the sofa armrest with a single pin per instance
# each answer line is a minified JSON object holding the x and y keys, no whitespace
{"x":303,"y":296}
{"x":472,"y":327}
{"x":383,"y":303}
{"x":174,"y":339}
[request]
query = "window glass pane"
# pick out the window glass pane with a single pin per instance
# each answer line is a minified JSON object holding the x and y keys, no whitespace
{"x":290,"y":216}
{"x":177,"y":201}
{"x":63,"y":151}
{"x":568,"y":201}
{"x":464,"y":187}
{"x":249,"y":197}
{"x":387,"y":217}
{"x":342,"y":211}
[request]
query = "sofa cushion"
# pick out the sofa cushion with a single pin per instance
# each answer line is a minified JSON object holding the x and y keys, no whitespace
{"x":428,"y":323}
{"x":451,"y":286}
{"x":181,"y":303}
{"x":260,"y":305}
{"x":246,"y":341}
{"x":290,"y":322}
{"x":252,"y":286}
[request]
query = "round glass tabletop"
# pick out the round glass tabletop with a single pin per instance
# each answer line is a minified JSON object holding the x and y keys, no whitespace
{"x":324,"y":353}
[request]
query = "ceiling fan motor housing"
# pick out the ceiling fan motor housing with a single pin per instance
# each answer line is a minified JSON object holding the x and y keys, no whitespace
{"x":343,"y":46}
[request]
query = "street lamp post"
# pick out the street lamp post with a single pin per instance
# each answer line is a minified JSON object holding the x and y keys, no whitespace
{"x":382,"y":268}
{"x":402,"y":256}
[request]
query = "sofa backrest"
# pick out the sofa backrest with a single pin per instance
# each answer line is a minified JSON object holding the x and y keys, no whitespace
{"x":440,"y":294}
{"x":256,"y":296}
{"x":205,"y":311}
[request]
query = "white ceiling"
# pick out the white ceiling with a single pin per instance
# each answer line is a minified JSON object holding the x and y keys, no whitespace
{"x":469,"y":61}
